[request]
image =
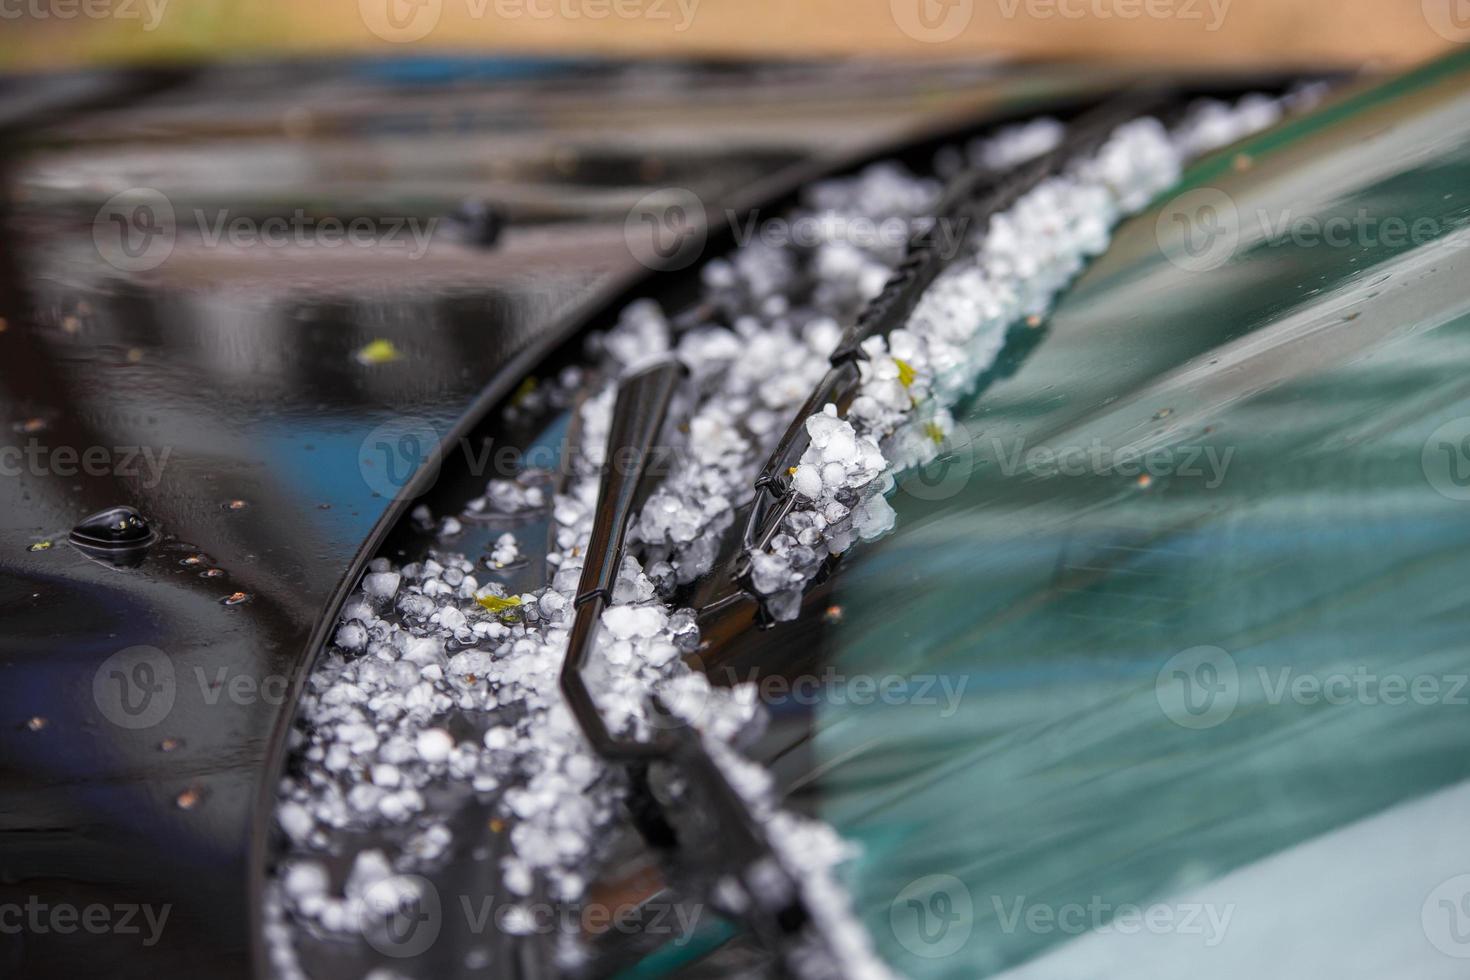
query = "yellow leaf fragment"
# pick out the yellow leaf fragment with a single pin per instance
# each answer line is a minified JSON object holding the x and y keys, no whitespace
{"x":378,"y":352}
{"x":497,"y":604}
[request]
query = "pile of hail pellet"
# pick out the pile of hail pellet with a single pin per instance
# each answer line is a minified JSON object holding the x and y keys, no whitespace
{"x":439,"y":645}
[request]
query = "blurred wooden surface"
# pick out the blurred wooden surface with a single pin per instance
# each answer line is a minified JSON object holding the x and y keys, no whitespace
{"x":52,"y":33}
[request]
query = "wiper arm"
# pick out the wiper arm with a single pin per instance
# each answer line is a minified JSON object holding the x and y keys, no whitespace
{"x":715,"y":843}
{"x":641,"y":410}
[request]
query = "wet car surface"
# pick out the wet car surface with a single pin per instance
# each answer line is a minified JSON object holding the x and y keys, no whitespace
{"x":1061,"y":775}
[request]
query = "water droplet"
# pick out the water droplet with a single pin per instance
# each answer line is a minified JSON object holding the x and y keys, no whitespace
{"x":36,"y":724}
{"x":236,"y":598}
{"x":1163,"y":413}
{"x":40,"y":546}
{"x":833,"y":614}
{"x":1144,"y":481}
{"x":189,"y":799}
{"x":236,"y":504}
{"x":170,"y":744}
{"x":212,"y":573}
{"x":30,"y":425}
{"x":116,"y":526}
{"x":193,"y":560}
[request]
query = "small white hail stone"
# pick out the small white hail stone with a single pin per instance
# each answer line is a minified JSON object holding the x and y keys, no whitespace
{"x":506,"y":551}
{"x":434,"y":745}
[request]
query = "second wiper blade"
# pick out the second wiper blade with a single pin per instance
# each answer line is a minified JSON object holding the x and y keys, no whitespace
{"x":972,"y":199}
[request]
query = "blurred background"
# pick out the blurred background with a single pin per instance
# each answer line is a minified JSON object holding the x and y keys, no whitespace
{"x":44,"y":34}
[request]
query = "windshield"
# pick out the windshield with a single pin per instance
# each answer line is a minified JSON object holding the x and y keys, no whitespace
{"x":1164,"y":665}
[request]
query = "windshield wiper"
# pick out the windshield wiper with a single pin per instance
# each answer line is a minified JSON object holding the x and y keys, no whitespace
{"x":714,"y":845}
{"x":969,"y":203}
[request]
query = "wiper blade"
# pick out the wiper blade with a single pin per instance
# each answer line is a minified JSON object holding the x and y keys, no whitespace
{"x":716,"y":847}
{"x":971,"y":200}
